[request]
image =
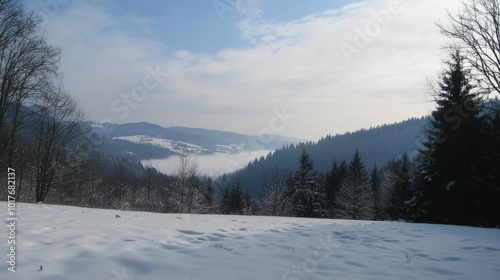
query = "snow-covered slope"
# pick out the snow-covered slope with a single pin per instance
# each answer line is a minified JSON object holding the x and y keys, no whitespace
{"x":141,"y":137}
{"x":174,"y":146}
{"x":79,"y":243}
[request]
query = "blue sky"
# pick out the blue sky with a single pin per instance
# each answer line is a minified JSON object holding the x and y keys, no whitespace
{"x":298,"y":68}
{"x":207,"y":26}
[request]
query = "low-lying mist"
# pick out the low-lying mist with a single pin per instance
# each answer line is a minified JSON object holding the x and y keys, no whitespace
{"x":210,"y":165}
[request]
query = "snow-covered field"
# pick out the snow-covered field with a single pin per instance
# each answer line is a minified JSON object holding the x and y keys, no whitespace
{"x":81,"y":243}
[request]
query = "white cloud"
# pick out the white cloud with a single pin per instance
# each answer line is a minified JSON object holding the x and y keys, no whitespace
{"x":101,"y":59}
{"x":298,"y":64}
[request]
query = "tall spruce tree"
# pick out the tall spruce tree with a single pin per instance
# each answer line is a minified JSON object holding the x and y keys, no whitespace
{"x":331,"y":187}
{"x":333,"y":181}
{"x":398,"y":187}
{"x":234,"y":201}
{"x":451,"y":165}
{"x":375,"y":183}
{"x":355,"y":199}
{"x":274,"y":200}
{"x":307,"y":193}
{"x":491,"y":196}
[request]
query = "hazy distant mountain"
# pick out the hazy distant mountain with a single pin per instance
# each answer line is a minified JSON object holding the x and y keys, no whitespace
{"x":141,"y":141}
{"x":376,"y":145}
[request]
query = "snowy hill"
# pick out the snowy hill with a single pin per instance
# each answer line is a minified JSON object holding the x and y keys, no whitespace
{"x":79,"y":243}
{"x":143,"y":140}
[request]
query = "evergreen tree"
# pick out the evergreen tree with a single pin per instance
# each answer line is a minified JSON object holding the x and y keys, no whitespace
{"x":247,"y":203}
{"x":333,"y":181}
{"x":495,"y":152}
{"x":234,"y":200}
{"x":331,"y":188}
{"x":490,"y":198}
{"x":398,"y":187}
{"x":495,"y":178}
{"x":274,"y":200}
{"x":355,"y":199}
{"x":307,"y":194}
{"x":451,"y":164}
{"x":375,"y":183}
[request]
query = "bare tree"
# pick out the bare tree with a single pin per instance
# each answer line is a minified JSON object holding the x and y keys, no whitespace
{"x":150,"y":195}
{"x":55,"y":128}
{"x":475,"y":31}
{"x":186,"y":184}
{"x":27,"y":68}
{"x":85,"y":188}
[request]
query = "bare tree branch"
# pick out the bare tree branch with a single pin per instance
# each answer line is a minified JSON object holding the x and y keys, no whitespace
{"x":475,"y":31}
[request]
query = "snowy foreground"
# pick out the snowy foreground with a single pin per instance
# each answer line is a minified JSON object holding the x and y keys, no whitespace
{"x":81,"y":243}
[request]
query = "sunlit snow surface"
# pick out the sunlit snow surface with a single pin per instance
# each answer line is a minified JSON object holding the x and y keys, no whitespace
{"x":81,"y":243}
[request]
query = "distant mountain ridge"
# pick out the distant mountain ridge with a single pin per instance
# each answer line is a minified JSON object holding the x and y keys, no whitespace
{"x":376,"y":145}
{"x":142,"y":140}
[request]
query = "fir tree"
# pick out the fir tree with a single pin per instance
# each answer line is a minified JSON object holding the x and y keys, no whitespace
{"x":490,"y":198}
{"x":398,"y":186}
{"x":333,"y":181}
{"x":451,"y":164}
{"x":307,"y":194}
{"x":355,"y":199}
{"x":331,"y":188}
{"x":375,"y":183}
{"x":274,"y":200}
{"x":235,"y":201}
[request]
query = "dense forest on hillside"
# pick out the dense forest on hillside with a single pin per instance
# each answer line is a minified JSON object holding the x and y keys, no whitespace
{"x":378,"y":146}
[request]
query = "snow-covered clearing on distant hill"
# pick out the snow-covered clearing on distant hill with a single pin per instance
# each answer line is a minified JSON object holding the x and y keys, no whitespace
{"x":80,"y":243}
{"x":174,"y":146}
